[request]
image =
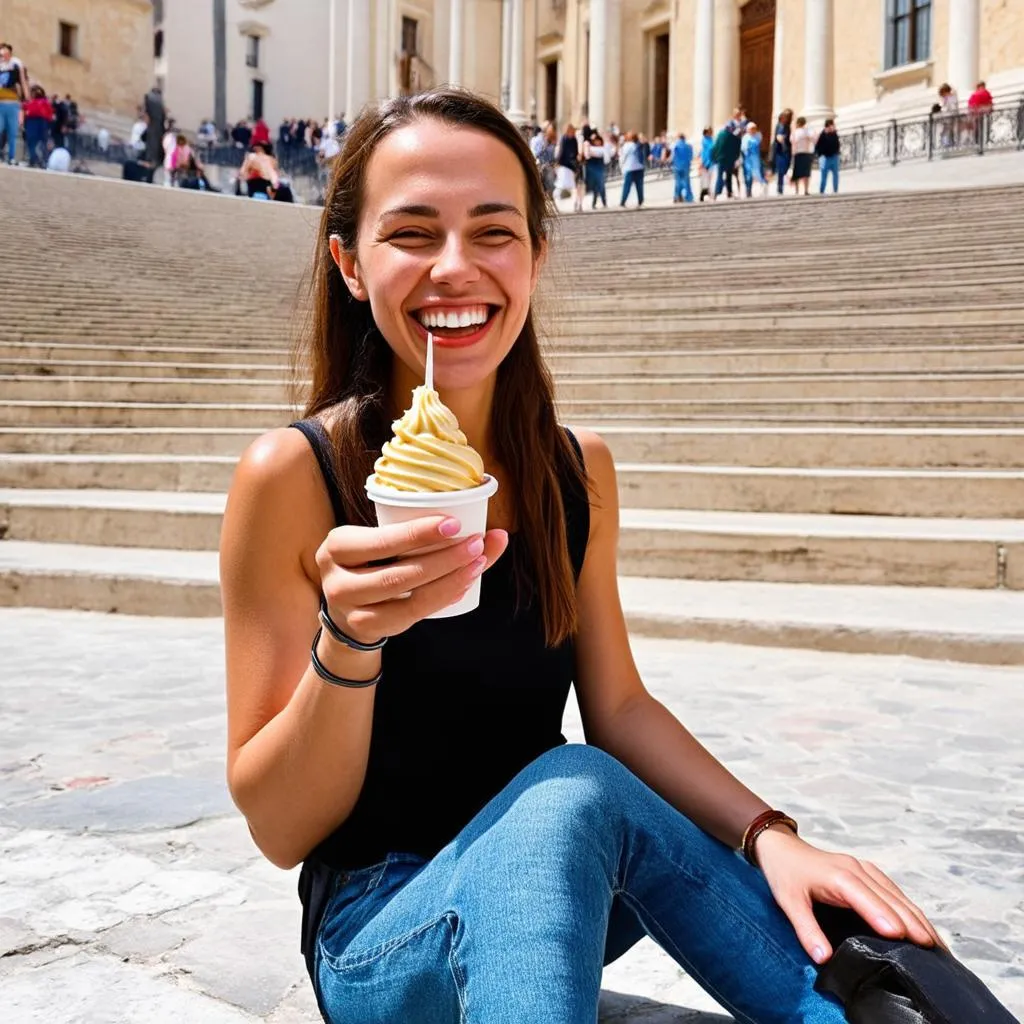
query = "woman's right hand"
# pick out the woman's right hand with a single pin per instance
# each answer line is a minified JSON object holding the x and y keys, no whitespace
{"x":426,"y":570}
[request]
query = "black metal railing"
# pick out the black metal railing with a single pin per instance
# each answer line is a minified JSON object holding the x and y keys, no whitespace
{"x":935,"y":136}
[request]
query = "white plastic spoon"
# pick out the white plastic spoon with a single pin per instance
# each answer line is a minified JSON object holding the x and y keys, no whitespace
{"x":430,"y":362}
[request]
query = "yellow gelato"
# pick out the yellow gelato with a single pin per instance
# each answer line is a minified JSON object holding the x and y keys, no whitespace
{"x":428,"y":451}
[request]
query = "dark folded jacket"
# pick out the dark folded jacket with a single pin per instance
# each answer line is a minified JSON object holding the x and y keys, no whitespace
{"x":883,"y":982}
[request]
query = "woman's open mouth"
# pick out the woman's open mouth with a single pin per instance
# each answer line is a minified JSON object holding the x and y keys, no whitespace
{"x":454,"y":326}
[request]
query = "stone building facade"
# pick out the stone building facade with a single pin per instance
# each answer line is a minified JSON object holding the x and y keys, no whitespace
{"x":681,"y":64}
{"x":99,"y":51}
{"x":646,"y":64}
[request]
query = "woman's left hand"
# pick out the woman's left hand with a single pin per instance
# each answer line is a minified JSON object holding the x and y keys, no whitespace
{"x":800,"y":874}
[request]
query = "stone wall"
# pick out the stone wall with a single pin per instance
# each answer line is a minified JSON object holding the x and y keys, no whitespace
{"x":113,"y":67}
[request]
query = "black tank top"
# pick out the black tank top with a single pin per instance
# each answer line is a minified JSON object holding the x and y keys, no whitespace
{"x":463,"y":705}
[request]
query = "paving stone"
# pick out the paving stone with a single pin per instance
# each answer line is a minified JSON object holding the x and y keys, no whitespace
{"x":862,"y":748}
{"x":149,"y":803}
{"x":104,"y":990}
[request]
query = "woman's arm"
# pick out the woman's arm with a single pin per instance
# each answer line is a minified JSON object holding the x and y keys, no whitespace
{"x":619,"y":715}
{"x":297,"y":747}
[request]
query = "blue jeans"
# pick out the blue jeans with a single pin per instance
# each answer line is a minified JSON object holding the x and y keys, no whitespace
{"x":595,"y":183}
{"x":629,"y":180}
{"x":683,"y":190}
{"x":725,"y":175}
{"x":782,"y":162}
{"x":36,"y":131}
{"x":561,"y":873}
{"x":9,"y":111}
{"x":829,"y":165}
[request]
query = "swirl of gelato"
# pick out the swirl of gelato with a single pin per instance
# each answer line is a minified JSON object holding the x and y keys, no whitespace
{"x":428,"y":451}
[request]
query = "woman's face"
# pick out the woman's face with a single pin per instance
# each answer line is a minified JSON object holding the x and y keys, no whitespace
{"x":443,"y":244}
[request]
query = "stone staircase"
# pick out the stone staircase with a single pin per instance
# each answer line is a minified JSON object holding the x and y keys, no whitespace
{"x":816,"y":407}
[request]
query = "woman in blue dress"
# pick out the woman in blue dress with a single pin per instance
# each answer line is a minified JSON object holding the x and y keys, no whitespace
{"x":751,"y":150}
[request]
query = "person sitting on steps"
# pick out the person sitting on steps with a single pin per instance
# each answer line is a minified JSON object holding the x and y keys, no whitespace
{"x":458,"y":853}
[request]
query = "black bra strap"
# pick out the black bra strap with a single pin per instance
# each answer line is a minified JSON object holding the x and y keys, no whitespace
{"x":316,"y":434}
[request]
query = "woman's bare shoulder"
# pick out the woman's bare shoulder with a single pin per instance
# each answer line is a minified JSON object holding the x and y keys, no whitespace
{"x":278,"y":496}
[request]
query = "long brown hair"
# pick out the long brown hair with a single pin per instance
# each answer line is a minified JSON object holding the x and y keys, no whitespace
{"x":349,"y":364}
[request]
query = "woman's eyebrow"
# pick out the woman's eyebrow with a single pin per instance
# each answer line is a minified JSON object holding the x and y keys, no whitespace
{"x":419,"y":210}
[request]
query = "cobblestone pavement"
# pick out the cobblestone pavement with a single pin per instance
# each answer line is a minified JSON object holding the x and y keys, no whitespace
{"x":130,"y":891}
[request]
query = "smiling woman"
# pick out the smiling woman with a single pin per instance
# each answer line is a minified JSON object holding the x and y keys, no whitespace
{"x":460,"y":860}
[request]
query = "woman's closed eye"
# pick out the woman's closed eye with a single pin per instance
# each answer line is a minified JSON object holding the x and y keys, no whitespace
{"x":417,"y":236}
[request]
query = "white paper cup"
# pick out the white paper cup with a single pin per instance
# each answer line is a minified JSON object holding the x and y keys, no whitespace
{"x":468,"y":506}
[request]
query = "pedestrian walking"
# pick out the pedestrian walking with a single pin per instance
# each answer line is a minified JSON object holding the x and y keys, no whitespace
{"x":827,"y":150}
{"x":595,"y":156}
{"x":803,"y":155}
{"x":14,"y":90}
{"x":682,"y":160}
{"x":725,"y":154}
{"x":751,"y":155}
{"x":707,"y":163}
{"x":781,"y":153}
{"x":457,"y":852}
{"x":631,"y":159}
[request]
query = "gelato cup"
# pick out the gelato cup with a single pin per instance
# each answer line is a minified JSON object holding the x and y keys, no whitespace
{"x":469,"y":506}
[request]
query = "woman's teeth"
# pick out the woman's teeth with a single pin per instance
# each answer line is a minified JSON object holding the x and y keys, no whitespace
{"x":453,"y":319}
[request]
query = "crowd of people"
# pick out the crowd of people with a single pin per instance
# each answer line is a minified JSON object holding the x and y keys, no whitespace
{"x":734,"y":160}
{"x":45,"y":123}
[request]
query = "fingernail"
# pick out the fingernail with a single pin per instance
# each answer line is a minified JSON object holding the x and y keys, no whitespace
{"x":477,"y":567}
{"x":818,"y":955}
{"x":450,"y":527}
{"x":886,"y":924}
{"x":475,"y":547}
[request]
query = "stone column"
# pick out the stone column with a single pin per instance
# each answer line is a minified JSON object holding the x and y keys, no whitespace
{"x":964,"y":30}
{"x":357,"y":70}
{"x":597,"y":76}
{"x":726,"y":63}
{"x":703,"y":66}
{"x":817,"y":60}
{"x":506,"y":51}
{"x":604,"y":61}
{"x":455,"y":33}
{"x":517,"y":47}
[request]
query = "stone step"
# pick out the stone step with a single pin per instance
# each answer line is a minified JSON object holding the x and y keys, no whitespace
{"x":621,"y":365}
{"x":167,"y":354}
{"x":992,"y":494}
{"x":988,"y":413}
{"x":975,"y":626}
{"x":870,"y":410}
{"x":975,"y":553}
{"x":651,"y":389}
{"x":143,"y":414}
{"x":43,"y":370}
{"x":881,"y":359}
{"x":799,"y":447}
{"x":967,"y":494}
{"x":196,"y":441}
{"x":775,"y":548}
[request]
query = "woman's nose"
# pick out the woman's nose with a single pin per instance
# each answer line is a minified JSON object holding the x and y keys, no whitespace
{"x":455,"y":263}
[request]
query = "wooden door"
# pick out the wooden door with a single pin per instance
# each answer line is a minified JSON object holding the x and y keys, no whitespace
{"x":659,"y":97}
{"x":757,"y":63}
